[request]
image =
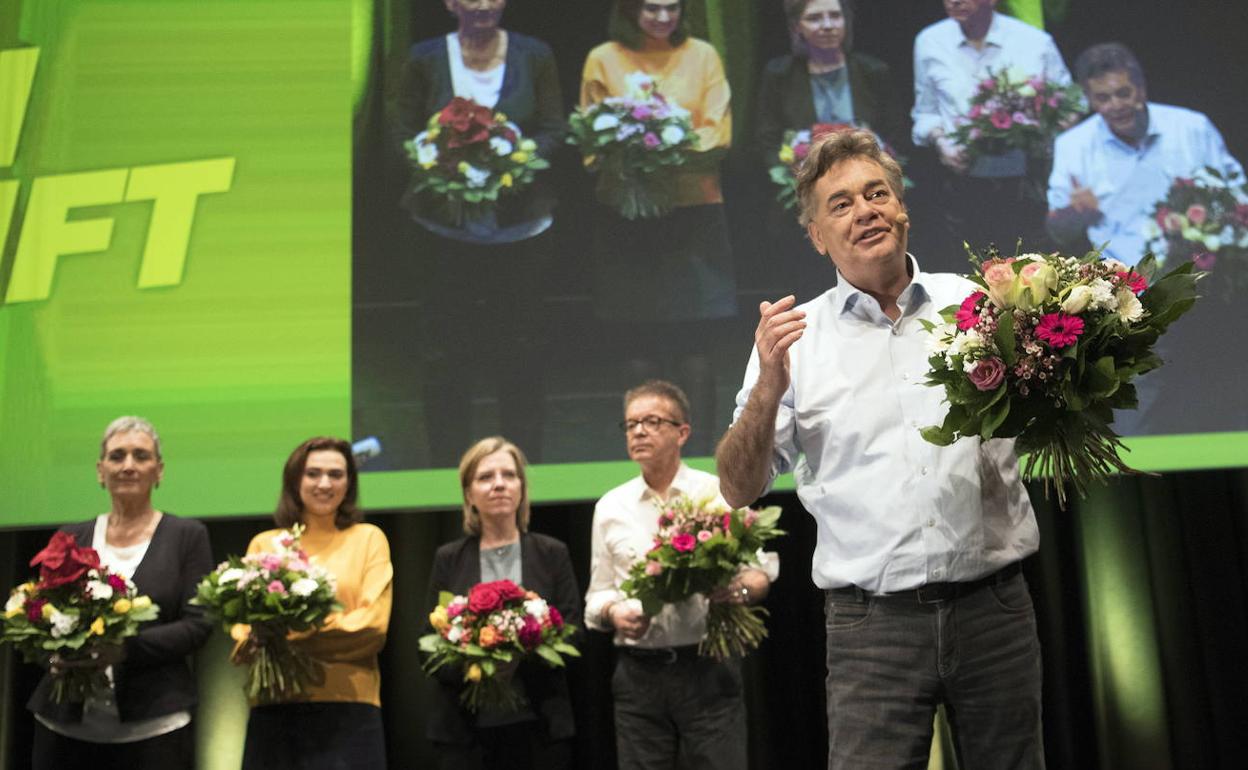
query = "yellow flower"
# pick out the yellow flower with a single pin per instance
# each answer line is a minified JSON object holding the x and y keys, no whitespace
{"x":786,"y":154}
{"x":122,"y":606}
{"x":505,"y":180}
{"x":520,"y":156}
{"x":13,"y":613}
{"x":142,"y":602}
{"x":438,"y":618}
{"x":433,"y":132}
{"x":528,"y":145}
{"x":500,"y":117}
{"x":473,"y":674}
{"x":27,"y":588}
{"x":463,"y":166}
{"x":48,"y":609}
{"x":97,"y":627}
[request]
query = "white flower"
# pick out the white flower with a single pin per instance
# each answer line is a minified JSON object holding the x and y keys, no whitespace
{"x":964,"y":343}
{"x":501,"y":147}
{"x":1033,"y":257}
{"x":639,"y":85}
{"x":248,"y":576}
{"x":476,"y":177}
{"x":99,"y":589}
{"x":1078,"y":300}
{"x":1103,"y":295}
{"x":672,"y":135}
{"x":230,"y":575}
{"x":426,"y":153}
{"x":605,"y":121}
{"x":303,"y":587}
{"x":1213,"y":242}
{"x":62,"y":624}
{"x":938,"y":339}
{"x":454,"y":634}
{"x":535,"y":607}
{"x":1026,"y":91}
{"x":1129,"y":307}
{"x":1121,"y":267}
{"x":16,"y":601}
{"x":627,"y":130}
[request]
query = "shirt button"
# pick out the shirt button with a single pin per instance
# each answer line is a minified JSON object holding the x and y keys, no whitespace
{"x":938,"y":573}
{"x":905,"y":375}
{"x":923,"y":470}
{"x":931,"y":522}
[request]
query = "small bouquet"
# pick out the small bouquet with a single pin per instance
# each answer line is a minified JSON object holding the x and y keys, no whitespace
{"x":75,"y":610}
{"x":700,"y":546}
{"x":1009,"y":112}
{"x":1045,"y":349}
{"x":795,"y":148}
{"x":489,"y":631}
{"x":1204,"y":218}
{"x":632,"y":142}
{"x":274,"y":593}
{"x":467,"y":157}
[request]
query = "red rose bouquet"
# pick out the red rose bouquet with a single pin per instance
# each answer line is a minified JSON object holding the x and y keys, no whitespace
{"x":1204,"y":218}
{"x":74,"y":610}
{"x":1044,"y":349}
{"x":701,"y":545}
{"x":467,"y":157}
{"x":633,"y":142}
{"x":794,"y":149}
{"x":1009,"y":112}
{"x":490,"y":631}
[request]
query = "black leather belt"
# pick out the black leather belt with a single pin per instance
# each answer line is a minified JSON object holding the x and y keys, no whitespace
{"x":931,"y":593}
{"x":662,"y":656}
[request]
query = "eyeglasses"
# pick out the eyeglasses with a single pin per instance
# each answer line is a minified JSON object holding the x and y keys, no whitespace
{"x":651,"y":423}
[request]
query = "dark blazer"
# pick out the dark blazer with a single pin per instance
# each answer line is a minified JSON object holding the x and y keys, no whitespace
{"x":154,"y":678}
{"x":785,"y":101}
{"x":529,"y":97}
{"x":545,"y":568}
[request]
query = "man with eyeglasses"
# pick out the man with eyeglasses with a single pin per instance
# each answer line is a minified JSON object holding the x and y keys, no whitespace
{"x":673,"y":708}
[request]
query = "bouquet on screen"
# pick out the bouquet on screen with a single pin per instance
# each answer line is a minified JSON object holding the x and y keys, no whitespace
{"x":633,"y":142}
{"x":701,"y":545}
{"x":793,"y":151}
{"x":260,"y":599}
{"x":487,"y":633}
{"x":1010,"y":112}
{"x":1045,"y":349}
{"x":75,"y":610}
{"x":467,"y":157}
{"x":1204,"y":218}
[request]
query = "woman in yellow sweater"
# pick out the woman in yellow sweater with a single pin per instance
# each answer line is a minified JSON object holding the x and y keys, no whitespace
{"x":336,"y":723}
{"x":667,"y":283}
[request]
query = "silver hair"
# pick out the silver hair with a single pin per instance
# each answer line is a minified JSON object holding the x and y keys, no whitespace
{"x":129,"y":424}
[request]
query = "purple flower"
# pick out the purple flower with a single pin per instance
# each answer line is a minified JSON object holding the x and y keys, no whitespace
{"x":642,"y":112}
{"x":651,"y":140}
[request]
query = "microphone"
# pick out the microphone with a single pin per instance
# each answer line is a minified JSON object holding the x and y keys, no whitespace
{"x":365,"y":449}
{"x":902,"y":219}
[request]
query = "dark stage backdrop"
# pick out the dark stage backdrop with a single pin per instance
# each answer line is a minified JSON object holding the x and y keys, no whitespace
{"x":1141,"y":595}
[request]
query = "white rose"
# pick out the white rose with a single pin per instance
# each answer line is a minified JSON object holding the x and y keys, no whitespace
{"x":535,"y":607}
{"x":62,"y":624}
{"x":605,"y":121}
{"x":476,"y":177}
{"x":426,"y":154}
{"x":303,"y":587}
{"x":501,"y":147}
{"x":16,"y":601}
{"x":672,"y":135}
{"x":230,"y":575}
{"x":1078,"y":300}
{"x":454,"y":634}
{"x":99,"y":589}
{"x":1129,"y":307}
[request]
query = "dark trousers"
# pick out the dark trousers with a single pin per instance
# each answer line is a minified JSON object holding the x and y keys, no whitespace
{"x":687,"y":714}
{"x":891,"y":660}
{"x":315,"y":736}
{"x":520,"y":746}
{"x":171,"y":751}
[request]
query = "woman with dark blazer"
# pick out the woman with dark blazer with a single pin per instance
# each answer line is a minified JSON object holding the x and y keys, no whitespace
{"x":498,"y":546}
{"x":144,"y":719}
{"x":482,"y":281}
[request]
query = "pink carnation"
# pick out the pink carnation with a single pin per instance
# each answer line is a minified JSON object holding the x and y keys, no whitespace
{"x":117,"y":583}
{"x":684,"y":542}
{"x":704,"y":535}
{"x":1002,"y":120}
{"x":653,"y":568}
{"x":276,"y":587}
{"x":271,"y":562}
{"x":1059,"y":330}
{"x":968,"y":314}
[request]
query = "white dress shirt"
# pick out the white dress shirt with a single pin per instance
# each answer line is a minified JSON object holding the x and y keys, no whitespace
{"x":948,"y":70}
{"x":1129,"y":181}
{"x":626,"y":520}
{"x":892,"y":511}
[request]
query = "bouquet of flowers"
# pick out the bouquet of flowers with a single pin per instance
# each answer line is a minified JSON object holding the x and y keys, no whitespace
{"x":274,"y":593}
{"x":700,"y":546}
{"x":74,"y":610}
{"x":795,"y":148}
{"x":1204,"y":218}
{"x":632,"y":142}
{"x":1045,"y":349}
{"x":1009,"y":112}
{"x":467,"y":157}
{"x":490,"y":631}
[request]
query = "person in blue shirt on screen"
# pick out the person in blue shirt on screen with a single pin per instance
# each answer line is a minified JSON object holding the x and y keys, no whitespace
{"x":1111,"y":170}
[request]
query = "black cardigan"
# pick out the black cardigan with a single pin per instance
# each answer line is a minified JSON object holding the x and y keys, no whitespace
{"x":546,"y":568}
{"x":154,"y":678}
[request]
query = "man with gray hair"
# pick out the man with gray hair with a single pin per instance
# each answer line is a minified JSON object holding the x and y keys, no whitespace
{"x":918,"y":546}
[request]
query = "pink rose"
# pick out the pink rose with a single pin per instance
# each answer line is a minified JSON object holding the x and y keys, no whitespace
{"x":987,"y":84}
{"x":704,"y":535}
{"x":654,"y":569}
{"x":988,"y":373}
{"x":968,"y":314}
{"x":1196,"y":214}
{"x":1002,"y":120}
{"x":454,"y":609}
{"x":271,"y":562}
{"x":276,"y":587}
{"x":684,"y":542}
{"x":999,"y":275}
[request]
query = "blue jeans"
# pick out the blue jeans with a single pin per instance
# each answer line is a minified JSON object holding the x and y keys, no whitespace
{"x":892,"y":660}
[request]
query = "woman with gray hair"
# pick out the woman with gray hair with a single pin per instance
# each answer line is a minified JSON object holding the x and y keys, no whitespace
{"x":143,"y":718}
{"x":498,"y":546}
